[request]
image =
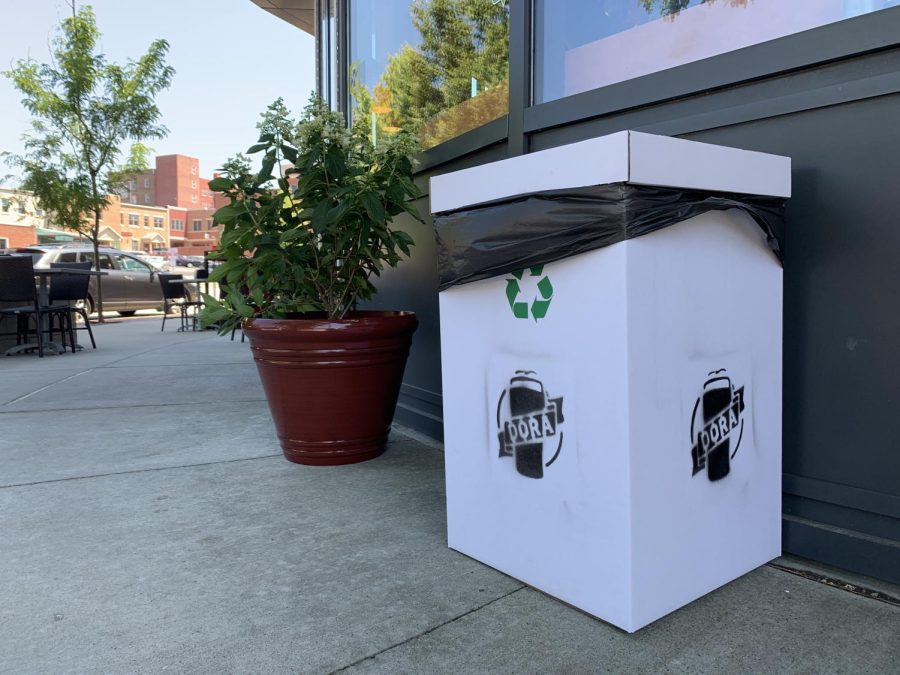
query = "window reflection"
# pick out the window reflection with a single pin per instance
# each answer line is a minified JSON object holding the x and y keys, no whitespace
{"x":438,"y":66}
{"x":587,"y":44}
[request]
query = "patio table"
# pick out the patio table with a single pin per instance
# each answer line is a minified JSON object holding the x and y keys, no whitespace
{"x":192,"y":282}
{"x":43,"y":275}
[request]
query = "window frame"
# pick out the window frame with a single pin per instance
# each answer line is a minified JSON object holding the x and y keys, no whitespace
{"x":835,"y":41}
{"x":857,"y":36}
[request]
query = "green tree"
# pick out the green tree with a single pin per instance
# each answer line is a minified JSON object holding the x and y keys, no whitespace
{"x":84,"y":109}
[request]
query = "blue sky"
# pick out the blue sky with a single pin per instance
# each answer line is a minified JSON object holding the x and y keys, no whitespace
{"x":231,"y":60}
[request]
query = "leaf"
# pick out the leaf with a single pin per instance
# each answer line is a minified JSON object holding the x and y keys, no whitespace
{"x":290,"y":236}
{"x":229,"y":213}
{"x":221,"y":184}
{"x":373,"y":207}
{"x":257,"y":148}
{"x":290,"y":154}
{"x":319,"y":218}
{"x":338,"y":212}
{"x":403,"y":237}
{"x":335,"y":164}
{"x":265,"y":173}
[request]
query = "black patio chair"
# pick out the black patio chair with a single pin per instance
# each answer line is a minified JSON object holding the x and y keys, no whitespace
{"x":65,"y":291}
{"x":17,"y":285}
{"x":175,"y":295}
{"x":223,"y":291}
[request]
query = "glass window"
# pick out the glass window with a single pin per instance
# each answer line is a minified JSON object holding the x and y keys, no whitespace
{"x":146,"y":182}
{"x":4,"y":205}
{"x":126,"y":262}
{"x":157,"y":222}
{"x":587,"y":44}
{"x":105,"y":260}
{"x":197,"y":225}
{"x":67,"y":257}
{"x":440,"y":67}
{"x":146,"y":221}
{"x":133,"y":220}
{"x":4,"y":243}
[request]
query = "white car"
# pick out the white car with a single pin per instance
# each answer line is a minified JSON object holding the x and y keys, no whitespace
{"x":157,"y":261}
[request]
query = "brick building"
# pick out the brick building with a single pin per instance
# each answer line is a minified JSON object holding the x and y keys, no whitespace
{"x":20,"y":219}
{"x":135,"y":227}
{"x":175,"y":183}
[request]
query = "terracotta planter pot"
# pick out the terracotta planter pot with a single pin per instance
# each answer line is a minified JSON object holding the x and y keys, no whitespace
{"x":332,"y":386}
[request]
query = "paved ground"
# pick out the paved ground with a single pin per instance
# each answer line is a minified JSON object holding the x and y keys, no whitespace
{"x":149,"y":523}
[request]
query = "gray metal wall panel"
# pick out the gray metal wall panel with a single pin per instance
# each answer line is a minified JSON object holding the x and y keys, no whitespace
{"x":842,"y":281}
{"x":838,"y":121}
{"x":413,"y":286}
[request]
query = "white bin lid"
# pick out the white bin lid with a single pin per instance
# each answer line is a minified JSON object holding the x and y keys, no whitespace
{"x":623,"y":157}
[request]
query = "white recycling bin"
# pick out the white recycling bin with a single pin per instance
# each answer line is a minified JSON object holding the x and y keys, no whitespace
{"x":612,"y":381}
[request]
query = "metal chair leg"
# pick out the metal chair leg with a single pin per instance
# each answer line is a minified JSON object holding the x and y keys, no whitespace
{"x":87,"y":324}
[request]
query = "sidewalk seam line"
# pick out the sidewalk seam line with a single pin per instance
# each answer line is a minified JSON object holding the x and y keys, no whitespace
{"x":121,"y":407}
{"x":427,"y":632}
{"x":45,"y":387}
{"x":147,"y":470}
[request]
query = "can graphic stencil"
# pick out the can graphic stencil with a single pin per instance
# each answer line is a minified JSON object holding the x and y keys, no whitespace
{"x":528,"y":424}
{"x":717,"y":426}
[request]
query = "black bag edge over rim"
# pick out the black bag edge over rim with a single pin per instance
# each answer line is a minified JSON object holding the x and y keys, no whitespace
{"x":507,"y":235}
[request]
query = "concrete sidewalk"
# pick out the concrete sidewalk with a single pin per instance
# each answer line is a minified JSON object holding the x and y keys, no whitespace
{"x":150,"y":523}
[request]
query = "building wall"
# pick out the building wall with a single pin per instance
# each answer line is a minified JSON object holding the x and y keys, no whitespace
{"x":133,"y":227}
{"x":204,"y":239}
{"x":16,"y":236}
{"x":177,"y":220}
{"x":141,"y":189}
{"x":177,"y":181}
{"x":19,"y":218}
{"x":829,"y":98}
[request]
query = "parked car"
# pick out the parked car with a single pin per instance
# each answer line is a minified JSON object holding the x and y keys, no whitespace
{"x":130,"y":284}
{"x":158,"y":262}
{"x":189,"y":261}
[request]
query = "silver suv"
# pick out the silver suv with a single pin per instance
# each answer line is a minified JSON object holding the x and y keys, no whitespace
{"x":130,"y":284}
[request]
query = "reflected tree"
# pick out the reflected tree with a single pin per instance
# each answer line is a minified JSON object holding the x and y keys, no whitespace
{"x":455,"y":79}
{"x":672,"y":7}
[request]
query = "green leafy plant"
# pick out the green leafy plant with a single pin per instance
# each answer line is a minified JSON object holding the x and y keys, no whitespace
{"x":311,"y":237}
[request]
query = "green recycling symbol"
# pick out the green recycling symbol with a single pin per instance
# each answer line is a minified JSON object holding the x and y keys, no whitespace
{"x":539,"y":305}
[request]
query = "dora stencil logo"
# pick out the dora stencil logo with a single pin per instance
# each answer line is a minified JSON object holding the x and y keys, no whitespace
{"x":528,"y":424}
{"x":717,"y":425}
